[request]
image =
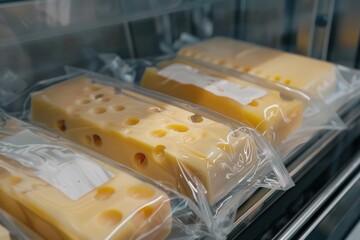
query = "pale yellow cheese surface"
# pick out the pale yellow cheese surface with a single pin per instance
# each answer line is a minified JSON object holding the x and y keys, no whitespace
{"x":124,"y":207}
{"x":312,"y":75}
{"x":162,"y":141}
{"x":273,"y":115}
{"x":4,"y":233}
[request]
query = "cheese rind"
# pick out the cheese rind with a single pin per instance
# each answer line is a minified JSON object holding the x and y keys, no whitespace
{"x":4,"y":233}
{"x":312,"y":75}
{"x":157,"y":139}
{"x":122,"y":208}
{"x":273,"y":115}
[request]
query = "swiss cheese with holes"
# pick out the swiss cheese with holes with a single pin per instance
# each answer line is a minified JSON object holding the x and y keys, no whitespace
{"x":164,"y":142}
{"x":122,"y":208}
{"x":272,"y":114}
{"x":315,"y":76}
{"x":4,"y":233}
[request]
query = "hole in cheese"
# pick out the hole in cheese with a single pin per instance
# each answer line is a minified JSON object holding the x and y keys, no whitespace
{"x":224,"y":147}
{"x":196,"y":118}
{"x":145,"y":213}
{"x":104,"y":192}
{"x":246,"y":69}
{"x":131,"y":121}
{"x":110,"y":218}
{"x":118,"y":108}
{"x":13,"y":180}
{"x":140,"y":161}
{"x":140,"y":192}
{"x":254,"y":103}
{"x":99,"y":110}
{"x":98,"y":96}
{"x":277,"y":78}
{"x":61,"y":125}
{"x":159,"y":153}
{"x":177,"y":127}
{"x":83,"y":101}
{"x":158,"y":133}
{"x":287,"y":82}
{"x":97,"y":140}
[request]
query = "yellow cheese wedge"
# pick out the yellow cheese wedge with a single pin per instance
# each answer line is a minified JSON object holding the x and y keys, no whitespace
{"x":123,"y":208}
{"x":315,"y":76}
{"x":273,"y":115}
{"x":4,"y":233}
{"x":159,"y":140}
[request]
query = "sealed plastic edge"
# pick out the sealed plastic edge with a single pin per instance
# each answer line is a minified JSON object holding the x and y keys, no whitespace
{"x":347,"y":87}
{"x":16,"y":228}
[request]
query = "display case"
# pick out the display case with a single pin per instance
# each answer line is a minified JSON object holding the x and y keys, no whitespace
{"x":38,"y":38}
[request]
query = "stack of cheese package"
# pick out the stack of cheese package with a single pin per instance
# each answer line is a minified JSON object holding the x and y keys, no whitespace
{"x":212,"y":162}
{"x":286,"y":110}
{"x":60,"y":192}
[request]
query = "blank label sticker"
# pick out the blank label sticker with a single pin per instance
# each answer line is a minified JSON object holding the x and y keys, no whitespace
{"x":220,"y":87}
{"x":71,"y":173}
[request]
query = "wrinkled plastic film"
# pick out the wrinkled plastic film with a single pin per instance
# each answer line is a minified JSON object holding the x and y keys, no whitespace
{"x":16,"y":229}
{"x":336,"y":84}
{"x":287,"y":117}
{"x":232,"y":154}
{"x":110,"y":200}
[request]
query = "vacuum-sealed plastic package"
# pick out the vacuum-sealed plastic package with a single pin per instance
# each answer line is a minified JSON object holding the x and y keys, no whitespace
{"x":336,"y":84}
{"x":63,"y":192}
{"x":206,"y":156}
{"x":285,"y":116}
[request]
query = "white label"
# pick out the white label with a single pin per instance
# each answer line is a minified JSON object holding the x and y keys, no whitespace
{"x":71,"y":173}
{"x":220,"y":87}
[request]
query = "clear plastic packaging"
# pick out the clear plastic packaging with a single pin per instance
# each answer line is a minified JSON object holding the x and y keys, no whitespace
{"x":14,"y":229}
{"x":334,"y":83}
{"x":63,"y":191}
{"x":206,"y":156}
{"x":285,"y":116}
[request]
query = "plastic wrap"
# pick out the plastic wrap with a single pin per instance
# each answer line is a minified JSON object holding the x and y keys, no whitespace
{"x":15,"y":229}
{"x":63,"y":191}
{"x":4,"y":233}
{"x":336,"y":84}
{"x":285,"y":116}
{"x":210,"y":158}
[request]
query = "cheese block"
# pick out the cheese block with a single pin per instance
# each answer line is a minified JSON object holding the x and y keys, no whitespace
{"x":4,"y":233}
{"x":312,"y":75}
{"x":164,"y":142}
{"x":274,"y":115}
{"x":122,"y":208}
